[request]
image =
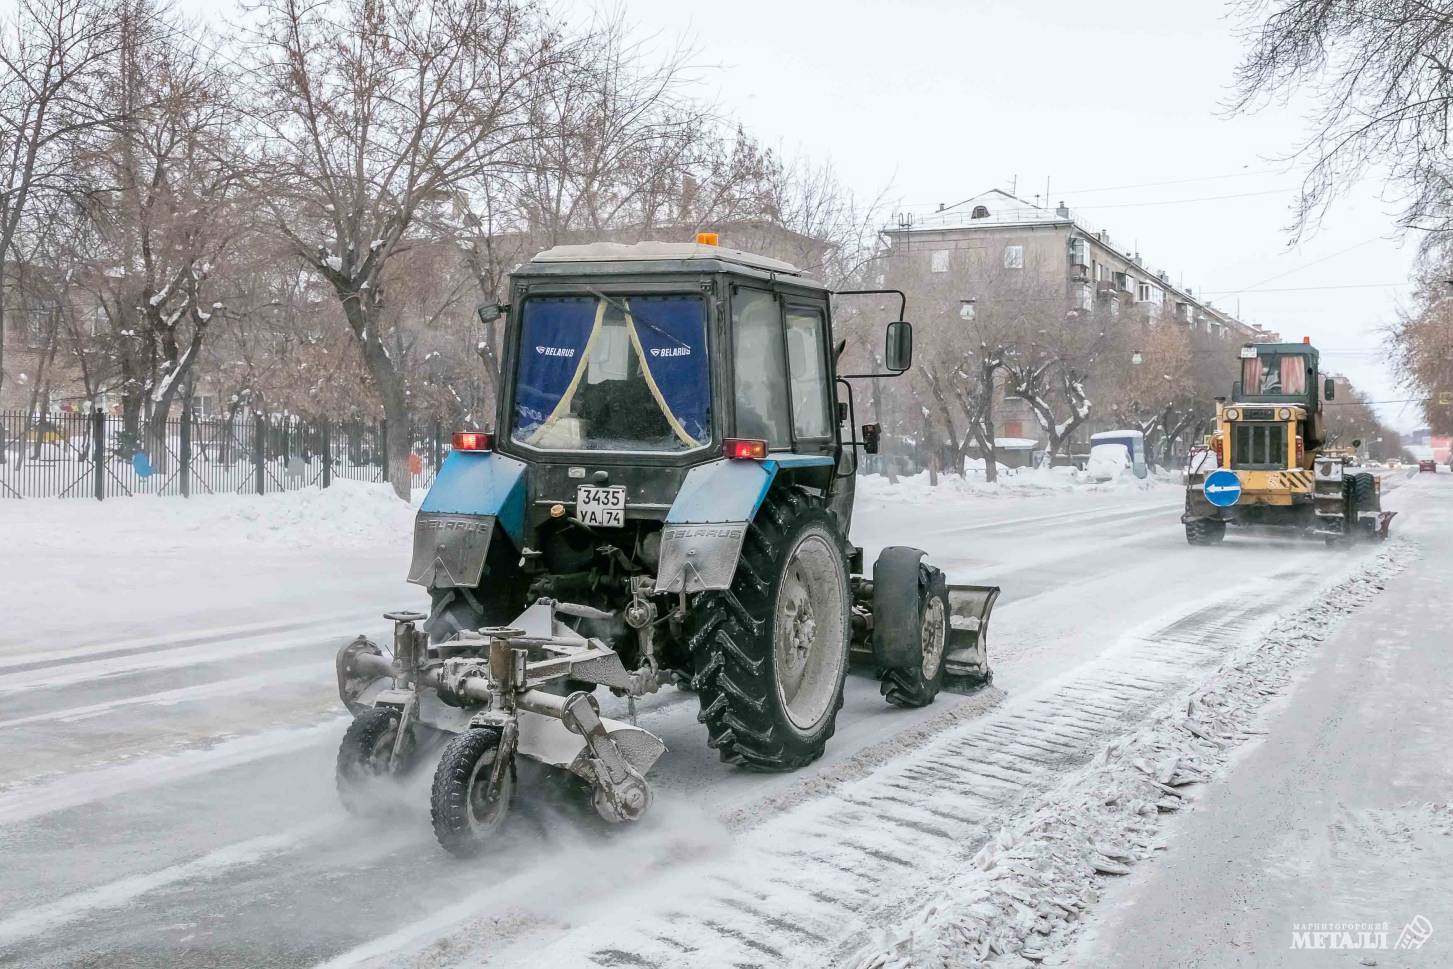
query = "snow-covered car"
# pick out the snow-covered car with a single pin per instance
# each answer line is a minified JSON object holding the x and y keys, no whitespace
{"x":1428,"y":464}
{"x":1107,"y":462}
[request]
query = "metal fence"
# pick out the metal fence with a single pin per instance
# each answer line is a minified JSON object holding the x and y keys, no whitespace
{"x":97,"y":455}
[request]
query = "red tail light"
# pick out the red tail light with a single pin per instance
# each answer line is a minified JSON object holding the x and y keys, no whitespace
{"x":1301,"y":449}
{"x":1219,"y":445}
{"x":473,"y":441}
{"x":744,"y":449}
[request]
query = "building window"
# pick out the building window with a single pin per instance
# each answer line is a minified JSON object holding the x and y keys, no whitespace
{"x":938,"y":262}
{"x":1114,"y":306}
{"x":1085,"y":298}
{"x":1013,"y":257}
{"x":37,"y":323}
{"x":980,"y":212}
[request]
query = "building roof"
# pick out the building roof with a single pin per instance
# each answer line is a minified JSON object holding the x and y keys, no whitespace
{"x":1003,"y":209}
{"x":1006,"y":210}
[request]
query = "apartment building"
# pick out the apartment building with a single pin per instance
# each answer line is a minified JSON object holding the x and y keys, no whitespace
{"x":996,"y":245}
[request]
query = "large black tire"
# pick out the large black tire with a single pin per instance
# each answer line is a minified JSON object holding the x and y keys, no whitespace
{"x":918,"y":685}
{"x":770,"y":653}
{"x":465,"y":812}
{"x":1364,"y":492}
{"x":365,"y":756}
{"x":1205,"y":531}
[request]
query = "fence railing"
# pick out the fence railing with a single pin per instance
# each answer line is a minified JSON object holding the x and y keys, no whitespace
{"x":100,"y":455}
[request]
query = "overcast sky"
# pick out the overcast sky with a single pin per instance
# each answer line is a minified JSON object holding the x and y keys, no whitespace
{"x":937,"y":101}
{"x":1116,"y":104}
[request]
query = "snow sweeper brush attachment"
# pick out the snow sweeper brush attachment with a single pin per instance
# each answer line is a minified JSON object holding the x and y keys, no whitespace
{"x":505,"y":692}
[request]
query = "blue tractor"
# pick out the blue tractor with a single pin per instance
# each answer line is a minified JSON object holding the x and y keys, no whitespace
{"x":665,"y":499}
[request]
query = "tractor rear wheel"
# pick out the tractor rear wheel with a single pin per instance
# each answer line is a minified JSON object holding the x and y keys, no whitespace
{"x":770,"y":653}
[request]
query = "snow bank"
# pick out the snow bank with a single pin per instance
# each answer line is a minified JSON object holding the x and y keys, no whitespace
{"x":1032,"y":883}
{"x":1012,"y":482}
{"x":349,"y":514}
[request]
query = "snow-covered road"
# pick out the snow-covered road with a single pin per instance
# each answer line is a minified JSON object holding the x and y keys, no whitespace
{"x":168,"y":723}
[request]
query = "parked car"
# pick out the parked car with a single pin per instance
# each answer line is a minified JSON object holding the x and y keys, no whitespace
{"x":1132,"y":441}
{"x":1108,"y":462}
{"x":1428,"y":464}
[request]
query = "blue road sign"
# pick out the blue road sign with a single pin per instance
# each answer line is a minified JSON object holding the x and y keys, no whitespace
{"x":1222,"y":488}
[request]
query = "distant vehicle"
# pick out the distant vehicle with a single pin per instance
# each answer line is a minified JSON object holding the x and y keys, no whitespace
{"x":1107,"y":462}
{"x":1428,"y":464}
{"x":1132,"y":441}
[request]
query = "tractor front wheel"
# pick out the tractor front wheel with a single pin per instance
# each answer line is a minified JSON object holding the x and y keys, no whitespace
{"x":918,"y":685}
{"x":770,"y":653}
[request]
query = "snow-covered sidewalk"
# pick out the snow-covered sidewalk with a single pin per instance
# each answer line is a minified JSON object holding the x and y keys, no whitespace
{"x":1331,"y":841}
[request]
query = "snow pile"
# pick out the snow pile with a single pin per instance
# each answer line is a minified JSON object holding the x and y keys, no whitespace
{"x":349,"y":514}
{"x":1013,"y":482}
{"x":1023,"y":900}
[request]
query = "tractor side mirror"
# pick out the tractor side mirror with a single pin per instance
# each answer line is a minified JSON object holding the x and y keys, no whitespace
{"x":1236,"y":390}
{"x":842,"y":411}
{"x":898,"y":353}
{"x":489,"y":312}
{"x":871,"y":434}
{"x":1357,"y":442}
{"x":1329,"y":389}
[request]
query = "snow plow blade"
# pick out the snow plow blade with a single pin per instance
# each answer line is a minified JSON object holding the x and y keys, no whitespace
{"x":966,"y":661}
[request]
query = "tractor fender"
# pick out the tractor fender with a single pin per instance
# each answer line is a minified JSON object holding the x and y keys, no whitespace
{"x":897,"y":625}
{"x":702,"y":538}
{"x":474,"y":492}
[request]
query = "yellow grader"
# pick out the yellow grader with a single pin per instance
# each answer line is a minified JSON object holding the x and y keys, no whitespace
{"x":1268,"y":462}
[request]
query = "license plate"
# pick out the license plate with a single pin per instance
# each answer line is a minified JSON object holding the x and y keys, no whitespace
{"x":605,"y":507}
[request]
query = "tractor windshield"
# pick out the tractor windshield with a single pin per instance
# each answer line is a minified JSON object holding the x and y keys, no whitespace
{"x":613,"y":373}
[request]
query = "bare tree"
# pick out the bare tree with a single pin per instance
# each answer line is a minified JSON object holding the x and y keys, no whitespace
{"x":1421,"y":342}
{"x":382,"y":116}
{"x":49,"y":53}
{"x":167,"y":199}
{"x":1380,"y":74}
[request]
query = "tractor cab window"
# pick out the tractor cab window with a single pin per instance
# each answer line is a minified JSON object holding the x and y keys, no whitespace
{"x":613,"y":373}
{"x":806,"y":351}
{"x":1274,"y":374}
{"x":759,"y":367}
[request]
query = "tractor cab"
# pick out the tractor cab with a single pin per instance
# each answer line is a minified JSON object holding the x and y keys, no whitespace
{"x":636,"y":379}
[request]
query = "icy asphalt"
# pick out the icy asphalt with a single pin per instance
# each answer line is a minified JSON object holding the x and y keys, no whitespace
{"x":166,"y":791}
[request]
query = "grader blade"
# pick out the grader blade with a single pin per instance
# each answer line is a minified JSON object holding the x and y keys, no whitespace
{"x":966,"y":661}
